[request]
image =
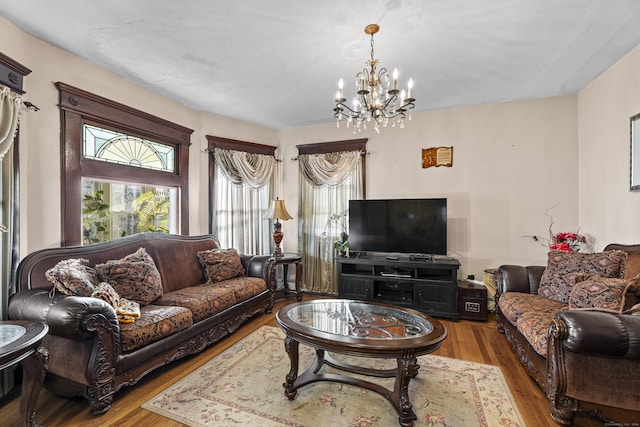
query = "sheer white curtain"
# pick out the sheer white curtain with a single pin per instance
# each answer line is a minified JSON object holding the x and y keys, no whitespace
{"x":327,"y":183}
{"x":242,"y":191}
{"x":10,"y":107}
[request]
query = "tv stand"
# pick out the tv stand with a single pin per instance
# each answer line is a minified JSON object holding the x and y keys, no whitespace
{"x":426,"y":284}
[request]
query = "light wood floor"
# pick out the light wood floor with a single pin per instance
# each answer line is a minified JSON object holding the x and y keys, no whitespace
{"x":474,"y":341}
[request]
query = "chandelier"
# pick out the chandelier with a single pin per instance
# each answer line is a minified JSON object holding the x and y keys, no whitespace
{"x":374,"y":100}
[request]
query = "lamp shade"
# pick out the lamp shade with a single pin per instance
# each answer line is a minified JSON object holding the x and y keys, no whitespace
{"x":277,"y":210}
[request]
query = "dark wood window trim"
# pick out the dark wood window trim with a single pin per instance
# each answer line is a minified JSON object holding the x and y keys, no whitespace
{"x":78,"y":107}
{"x":214,"y":142}
{"x":337,"y":146}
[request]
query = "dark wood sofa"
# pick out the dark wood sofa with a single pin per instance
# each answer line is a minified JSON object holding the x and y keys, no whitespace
{"x":584,"y":360}
{"x":92,"y":355}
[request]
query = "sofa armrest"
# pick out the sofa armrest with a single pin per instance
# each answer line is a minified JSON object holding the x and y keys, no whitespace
{"x":598,"y":333}
{"x":258,"y":266}
{"x":518,"y":278}
{"x":66,"y":316}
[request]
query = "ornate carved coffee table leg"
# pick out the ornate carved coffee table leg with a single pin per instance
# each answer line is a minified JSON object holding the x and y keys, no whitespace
{"x":291,"y":347}
{"x":33,"y":376}
{"x":407,"y":369}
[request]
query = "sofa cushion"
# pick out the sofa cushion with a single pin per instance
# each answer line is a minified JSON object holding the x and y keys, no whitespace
{"x":563,"y":269}
{"x":534,"y":326}
{"x":220,"y":264}
{"x":203,"y":300}
{"x":134,"y":277}
{"x":73,"y":277}
{"x":244,"y":287}
{"x":155,"y":323}
{"x":514,"y":304}
{"x":605,"y":294}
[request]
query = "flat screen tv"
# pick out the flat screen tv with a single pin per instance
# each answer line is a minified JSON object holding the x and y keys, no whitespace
{"x":412,"y":226}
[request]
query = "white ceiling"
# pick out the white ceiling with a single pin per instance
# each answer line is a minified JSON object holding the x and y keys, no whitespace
{"x":277,"y":62}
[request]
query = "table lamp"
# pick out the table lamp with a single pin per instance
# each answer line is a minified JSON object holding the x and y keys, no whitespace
{"x":277,"y":211}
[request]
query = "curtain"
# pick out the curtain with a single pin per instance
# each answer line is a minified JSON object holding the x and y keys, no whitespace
{"x":10,"y":108}
{"x":243,"y":190}
{"x":327,"y":183}
{"x":10,"y":105}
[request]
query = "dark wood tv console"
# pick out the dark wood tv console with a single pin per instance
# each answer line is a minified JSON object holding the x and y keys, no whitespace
{"x":429,"y":285}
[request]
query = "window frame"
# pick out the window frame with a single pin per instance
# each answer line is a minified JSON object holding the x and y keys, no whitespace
{"x":79,"y":107}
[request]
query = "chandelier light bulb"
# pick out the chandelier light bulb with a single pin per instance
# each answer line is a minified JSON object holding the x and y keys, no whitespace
{"x":374,"y":100}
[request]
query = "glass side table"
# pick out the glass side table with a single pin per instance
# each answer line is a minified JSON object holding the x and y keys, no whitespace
{"x":20,"y":343}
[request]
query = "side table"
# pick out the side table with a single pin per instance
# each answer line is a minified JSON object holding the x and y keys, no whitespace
{"x":472,"y":301}
{"x":20,"y":343}
{"x":285,"y":260}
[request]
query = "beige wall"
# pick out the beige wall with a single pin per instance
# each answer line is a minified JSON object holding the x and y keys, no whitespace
{"x":512,"y":161}
{"x":607,"y":208}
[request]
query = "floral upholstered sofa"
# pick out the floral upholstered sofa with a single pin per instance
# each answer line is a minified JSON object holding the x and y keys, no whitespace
{"x":575,"y":325}
{"x":118,"y":310}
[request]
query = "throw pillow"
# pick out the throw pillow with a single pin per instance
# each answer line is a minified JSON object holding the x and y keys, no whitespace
{"x":220,"y":264}
{"x":631,"y":266}
{"x":126,"y":310}
{"x":106,"y":293}
{"x":605,"y":294}
{"x":73,"y":277}
{"x":560,"y":274}
{"x":134,"y":277}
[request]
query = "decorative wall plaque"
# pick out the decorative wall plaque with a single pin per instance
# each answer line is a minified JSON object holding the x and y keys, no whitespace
{"x":437,"y":156}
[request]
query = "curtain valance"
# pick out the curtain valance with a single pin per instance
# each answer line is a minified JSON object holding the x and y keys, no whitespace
{"x":328,"y":169}
{"x":10,"y":106}
{"x":241,"y":167}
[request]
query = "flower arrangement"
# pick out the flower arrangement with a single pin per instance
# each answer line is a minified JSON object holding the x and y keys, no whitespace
{"x":567,"y":241}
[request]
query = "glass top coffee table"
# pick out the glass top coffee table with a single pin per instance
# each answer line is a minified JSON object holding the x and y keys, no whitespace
{"x":361,"y":329}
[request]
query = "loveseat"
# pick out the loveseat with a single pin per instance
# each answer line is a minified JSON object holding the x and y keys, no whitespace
{"x":93,"y":351}
{"x":575,"y":326}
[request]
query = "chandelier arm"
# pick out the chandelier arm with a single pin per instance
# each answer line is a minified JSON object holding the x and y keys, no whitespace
{"x":389,"y":100}
{"x":342,"y":106}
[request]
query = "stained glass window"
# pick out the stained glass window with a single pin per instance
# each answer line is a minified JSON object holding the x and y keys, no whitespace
{"x":115,"y":147}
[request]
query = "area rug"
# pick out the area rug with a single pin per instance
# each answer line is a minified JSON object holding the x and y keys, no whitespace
{"x":243,"y":386}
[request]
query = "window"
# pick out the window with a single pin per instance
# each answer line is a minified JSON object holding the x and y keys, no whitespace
{"x":123,"y":170}
{"x":241,"y":182}
{"x":331,"y":174}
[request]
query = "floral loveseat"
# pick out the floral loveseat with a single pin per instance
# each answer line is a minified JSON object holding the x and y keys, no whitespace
{"x":575,"y":325}
{"x":182,"y":293}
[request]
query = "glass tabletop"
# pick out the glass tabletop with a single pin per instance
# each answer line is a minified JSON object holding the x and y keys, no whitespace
{"x":10,"y":333}
{"x":359,"y":320}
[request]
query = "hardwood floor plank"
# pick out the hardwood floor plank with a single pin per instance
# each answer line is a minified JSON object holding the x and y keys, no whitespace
{"x":467,"y":340}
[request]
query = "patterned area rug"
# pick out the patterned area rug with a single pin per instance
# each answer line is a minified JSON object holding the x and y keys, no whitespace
{"x":243,"y":386}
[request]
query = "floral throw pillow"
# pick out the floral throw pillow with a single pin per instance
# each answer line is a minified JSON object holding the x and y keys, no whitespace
{"x":134,"y":277}
{"x":605,"y":294}
{"x":220,"y":264}
{"x":563,"y":270}
{"x":73,"y":277}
